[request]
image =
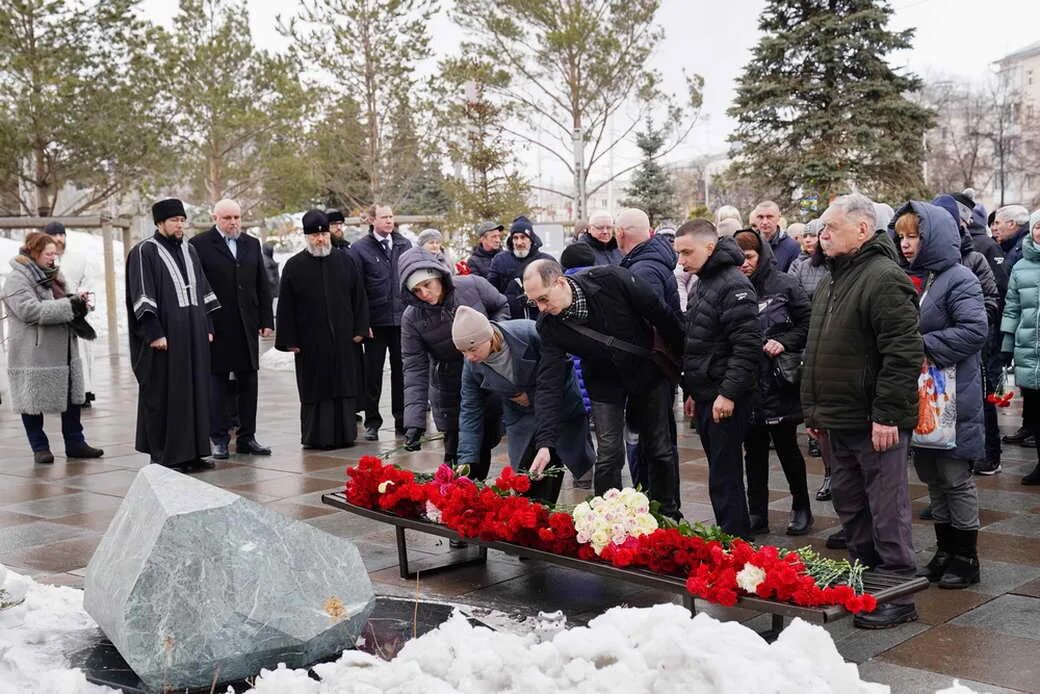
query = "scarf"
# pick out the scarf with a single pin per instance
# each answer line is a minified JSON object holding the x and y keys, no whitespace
{"x":44,"y":276}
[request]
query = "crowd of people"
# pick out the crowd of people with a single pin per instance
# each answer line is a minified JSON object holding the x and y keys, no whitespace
{"x":579,"y":361}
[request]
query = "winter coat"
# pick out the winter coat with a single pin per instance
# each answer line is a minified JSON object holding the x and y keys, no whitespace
{"x":864,"y":351}
{"x":783,"y":315}
{"x":976,"y":262}
{"x":723,"y":337}
{"x":382,"y":283}
{"x":507,"y":276}
{"x":785,"y":249}
{"x":241,"y":285}
{"x":653,"y":262}
{"x":271,"y":268}
{"x":579,"y":375}
{"x":479,"y":382}
{"x":1013,"y":247}
{"x":432,"y":364}
{"x":480,"y":261}
{"x":985,"y":245}
{"x":953,"y":320}
{"x":606,"y":253}
{"x":1021,"y":322}
{"x":43,"y":362}
{"x":808,"y":273}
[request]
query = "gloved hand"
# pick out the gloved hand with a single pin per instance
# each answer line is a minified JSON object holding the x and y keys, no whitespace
{"x":1006,"y":358}
{"x":412,"y":438}
{"x":79,"y":306}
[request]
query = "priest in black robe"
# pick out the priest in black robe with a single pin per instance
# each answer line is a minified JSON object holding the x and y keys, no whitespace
{"x":168,"y":302}
{"x":322,"y":316}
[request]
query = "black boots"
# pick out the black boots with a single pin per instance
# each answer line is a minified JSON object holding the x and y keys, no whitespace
{"x":963,"y":569}
{"x":801,"y":522}
{"x":935,"y":569}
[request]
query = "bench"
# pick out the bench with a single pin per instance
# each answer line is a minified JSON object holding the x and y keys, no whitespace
{"x":883,"y":586}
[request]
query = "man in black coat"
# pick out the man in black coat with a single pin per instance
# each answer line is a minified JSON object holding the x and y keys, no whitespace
{"x":234,"y":266}
{"x":378,"y":255}
{"x":607,"y":317}
{"x":489,"y":244}
{"x":720,"y":362}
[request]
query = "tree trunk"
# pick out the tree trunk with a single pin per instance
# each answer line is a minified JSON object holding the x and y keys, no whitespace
{"x":42,"y":182}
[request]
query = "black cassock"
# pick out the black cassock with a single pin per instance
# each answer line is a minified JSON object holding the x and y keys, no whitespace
{"x":322,"y":306}
{"x":167,"y":295}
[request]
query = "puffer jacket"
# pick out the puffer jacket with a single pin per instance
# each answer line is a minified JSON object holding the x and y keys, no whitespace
{"x":783,"y":315}
{"x":979,"y":266}
{"x":953,"y":320}
{"x":507,"y":276}
{"x":985,"y":245}
{"x":864,"y":351}
{"x":480,"y":260}
{"x":432,"y":364}
{"x":808,"y":273}
{"x":606,"y":253}
{"x":1021,"y":322}
{"x":43,"y":363}
{"x":723,"y":338}
{"x":653,"y":262}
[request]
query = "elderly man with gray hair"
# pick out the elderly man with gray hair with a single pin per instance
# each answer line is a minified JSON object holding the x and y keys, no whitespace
{"x":859,"y":391}
{"x":1011,"y":224}
{"x":600,"y":238}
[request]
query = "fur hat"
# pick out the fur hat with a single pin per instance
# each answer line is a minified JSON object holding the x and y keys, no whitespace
{"x":315,"y":222}
{"x":470,"y":328}
{"x":164,"y":209}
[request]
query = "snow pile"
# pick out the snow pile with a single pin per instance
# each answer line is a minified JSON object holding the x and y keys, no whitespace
{"x":34,"y":637}
{"x":656,"y":649}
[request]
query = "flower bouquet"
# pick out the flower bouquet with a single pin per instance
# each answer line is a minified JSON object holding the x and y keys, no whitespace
{"x":1001,"y":397}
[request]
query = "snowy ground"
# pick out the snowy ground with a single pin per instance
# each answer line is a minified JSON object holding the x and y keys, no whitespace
{"x":629,"y":650}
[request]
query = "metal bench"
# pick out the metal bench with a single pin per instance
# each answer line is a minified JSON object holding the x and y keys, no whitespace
{"x":881,"y":585}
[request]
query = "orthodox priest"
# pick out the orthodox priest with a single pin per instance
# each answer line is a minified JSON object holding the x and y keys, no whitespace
{"x":322,"y":315}
{"x":168,"y":302}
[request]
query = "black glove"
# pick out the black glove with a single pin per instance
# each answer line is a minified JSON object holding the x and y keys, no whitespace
{"x":79,"y":306}
{"x":1006,"y":358}
{"x":82,"y":329}
{"x":412,"y":438}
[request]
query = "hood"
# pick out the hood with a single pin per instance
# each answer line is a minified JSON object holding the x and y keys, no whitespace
{"x":1029,"y":249}
{"x":591,"y":240}
{"x":726,"y":253}
{"x":416,"y":258}
{"x":883,"y":215}
{"x":766,"y":266}
{"x":940,"y":237}
{"x":536,"y":243}
{"x":656,"y":249}
{"x":967,"y":245}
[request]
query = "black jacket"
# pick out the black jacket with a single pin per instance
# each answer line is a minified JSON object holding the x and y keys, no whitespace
{"x":606,"y":253}
{"x":382,"y":284}
{"x":1013,"y":248}
{"x":271,"y":268}
{"x":994,"y":254}
{"x":723,"y":338}
{"x":653,"y":262}
{"x":480,"y":261}
{"x":241,"y":285}
{"x":507,"y":276}
{"x":976,"y":262}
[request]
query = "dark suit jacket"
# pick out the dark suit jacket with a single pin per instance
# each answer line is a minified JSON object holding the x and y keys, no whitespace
{"x":240,"y":284}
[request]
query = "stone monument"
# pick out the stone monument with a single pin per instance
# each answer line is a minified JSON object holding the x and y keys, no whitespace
{"x":194,"y":584}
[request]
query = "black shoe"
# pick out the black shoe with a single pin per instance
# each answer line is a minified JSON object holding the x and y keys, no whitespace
{"x":824,"y":492}
{"x":44,"y":457}
{"x":814,"y":449}
{"x":1028,"y":442}
{"x":250,"y":446}
{"x":1033,"y":478}
{"x":759,"y":524}
{"x":960,"y":573}
{"x":886,"y":616}
{"x":83,"y":450}
{"x":801,"y":522}
{"x":372,"y":433}
{"x":926,"y":513}
{"x":200,"y":464}
{"x":990,"y":466}
{"x":837,"y":540}
{"x":1018,"y":437}
{"x":220,"y":451}
{"x":944,"y":548}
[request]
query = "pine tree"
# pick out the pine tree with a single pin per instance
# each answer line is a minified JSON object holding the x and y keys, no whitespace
{"x":821,"y":112}
{"x":651,"y":188}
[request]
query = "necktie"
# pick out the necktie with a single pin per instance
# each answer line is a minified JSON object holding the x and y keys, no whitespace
{"x":232,"y":246}
{"x":386,"y":246}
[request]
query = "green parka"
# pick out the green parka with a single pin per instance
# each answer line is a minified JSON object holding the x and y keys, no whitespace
{"x":1021,"y":322}
{"x":864,"y":351}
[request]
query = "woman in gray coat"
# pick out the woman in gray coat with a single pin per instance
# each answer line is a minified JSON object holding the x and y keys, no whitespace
{"x":954,"y":328}
{"x":432,"y":365}
{"x":43,"y":365}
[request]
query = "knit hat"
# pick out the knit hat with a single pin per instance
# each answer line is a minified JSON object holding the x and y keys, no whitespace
{"x":54,"y":229}
{"x":419,"y":276}
{"x":577,"y":255}
{"x":315,"y":222}
{"x":427,"y":235}
{"x":1034,"y":219}
{"x":334,"y":215}
{"x":164,"y":209}
{"x":471,"y":328}
{"x":485,"y":227}
{"x":521,"y":225}
{"x":748,"y":240}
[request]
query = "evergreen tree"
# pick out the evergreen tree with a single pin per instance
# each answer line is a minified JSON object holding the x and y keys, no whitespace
{"x":651,"y":188}
{"x":821,"y":112}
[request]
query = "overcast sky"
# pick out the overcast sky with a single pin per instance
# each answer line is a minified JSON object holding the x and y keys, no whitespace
{"x":714,"y":38}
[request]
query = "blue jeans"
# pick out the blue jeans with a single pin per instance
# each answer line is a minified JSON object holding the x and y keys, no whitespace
{"x":71,"y":429}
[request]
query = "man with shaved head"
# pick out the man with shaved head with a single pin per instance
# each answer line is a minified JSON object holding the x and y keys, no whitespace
{"x":600,"y":238}
{"x":765,"y":219}
{"x":234,"y":265}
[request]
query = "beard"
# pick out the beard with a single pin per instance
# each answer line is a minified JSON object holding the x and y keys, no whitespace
{"x":522,"y":254}
{"x":318,"y":251}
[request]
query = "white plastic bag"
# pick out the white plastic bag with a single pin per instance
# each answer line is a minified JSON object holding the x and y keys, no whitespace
{"x":936,"y":408}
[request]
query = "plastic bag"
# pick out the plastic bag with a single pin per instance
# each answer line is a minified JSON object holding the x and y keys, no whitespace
{"x":936,"y":408}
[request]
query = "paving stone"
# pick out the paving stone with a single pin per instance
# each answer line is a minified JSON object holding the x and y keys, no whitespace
{"x":66,"y":505}
{"x":38,"y":533}
{"x":908,"y":680}
{"x":1015,"y":615}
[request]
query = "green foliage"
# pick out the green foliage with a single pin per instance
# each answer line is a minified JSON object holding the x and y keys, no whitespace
{"x":820,"y":111}
{"x":78,"y":103}
{"x":651,"y":188}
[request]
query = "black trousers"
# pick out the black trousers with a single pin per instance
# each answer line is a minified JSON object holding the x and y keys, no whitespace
{"x":221,"y":389}
{"x":722,"y":443}
{"x":991,"y":367}
{"x":385,"y":338}
{"x":1031,"y":413}
{"x":546,"y":489}
{"x":756,"y":464}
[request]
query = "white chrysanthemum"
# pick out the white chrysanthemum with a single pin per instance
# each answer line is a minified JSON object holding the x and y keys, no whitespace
{"x":750,"y":577}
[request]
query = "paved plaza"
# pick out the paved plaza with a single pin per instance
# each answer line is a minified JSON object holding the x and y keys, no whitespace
{"x":53,"y":516}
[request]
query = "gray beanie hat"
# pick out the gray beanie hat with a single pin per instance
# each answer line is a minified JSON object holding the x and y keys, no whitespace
{"x":471,"y":328}
{"x":427,"y":235}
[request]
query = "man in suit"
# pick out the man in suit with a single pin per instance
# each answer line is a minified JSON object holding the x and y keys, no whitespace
{"x":234,"y":266}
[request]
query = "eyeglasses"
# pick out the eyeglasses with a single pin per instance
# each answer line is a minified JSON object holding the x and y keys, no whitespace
{"x":607,"y":227}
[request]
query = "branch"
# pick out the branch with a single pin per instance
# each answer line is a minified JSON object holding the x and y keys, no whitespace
{"x":551,"y":190}
{"x":542,"y":145}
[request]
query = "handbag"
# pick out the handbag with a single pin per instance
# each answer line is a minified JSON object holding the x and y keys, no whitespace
{"x":789,"y":367}
{"x":936,"y":408}
{"x":659,"y":353}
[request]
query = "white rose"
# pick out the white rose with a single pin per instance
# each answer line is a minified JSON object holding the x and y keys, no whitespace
{"x":750,"y":577}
